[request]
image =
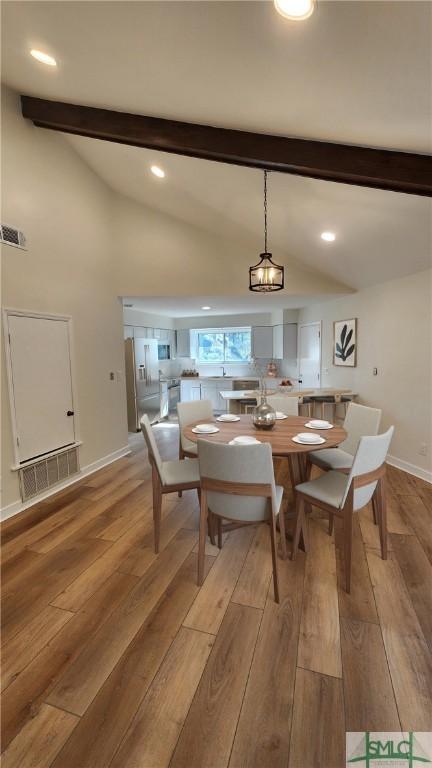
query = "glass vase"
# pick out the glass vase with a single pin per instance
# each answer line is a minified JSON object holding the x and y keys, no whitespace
{"x":264,"y":416}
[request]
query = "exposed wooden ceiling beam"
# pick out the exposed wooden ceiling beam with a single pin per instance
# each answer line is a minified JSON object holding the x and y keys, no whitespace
{"x":379,"y":168}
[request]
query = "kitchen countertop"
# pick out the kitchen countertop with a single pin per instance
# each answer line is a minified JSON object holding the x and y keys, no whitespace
{"x":219,"y":378}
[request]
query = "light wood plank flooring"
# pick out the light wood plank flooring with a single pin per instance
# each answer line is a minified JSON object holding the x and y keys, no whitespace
{"x":113,"y":658}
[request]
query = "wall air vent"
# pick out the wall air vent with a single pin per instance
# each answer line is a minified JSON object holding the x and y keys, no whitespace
{"x":41,"y":475}
{"x":12,"y":236}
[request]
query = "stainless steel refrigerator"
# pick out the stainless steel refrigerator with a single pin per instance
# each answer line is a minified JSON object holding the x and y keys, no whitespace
{"x":142,"y":381}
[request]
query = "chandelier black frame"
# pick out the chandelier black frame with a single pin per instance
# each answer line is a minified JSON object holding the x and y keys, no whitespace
{"x":266,"y":275}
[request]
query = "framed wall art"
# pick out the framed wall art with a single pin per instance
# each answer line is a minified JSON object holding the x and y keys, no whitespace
{"x":345,"y":342}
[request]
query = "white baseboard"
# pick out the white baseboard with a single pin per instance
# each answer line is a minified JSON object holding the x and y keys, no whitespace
{"x":19,"y":506}
{"x":412,"y":469}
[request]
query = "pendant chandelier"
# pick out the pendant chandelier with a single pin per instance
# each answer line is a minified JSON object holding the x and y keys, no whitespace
{"x":266,"y":275}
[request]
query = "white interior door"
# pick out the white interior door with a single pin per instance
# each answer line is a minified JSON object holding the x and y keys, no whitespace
{"x":309,"y":345}
{"x":41,"y":384}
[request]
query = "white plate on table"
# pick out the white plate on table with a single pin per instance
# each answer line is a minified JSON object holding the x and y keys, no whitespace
{"x":244,"y":440}
{"x":280,"y":415}
{"x":318,"y":440}
{"x":227,"y":417}
{"x":317,"y":424}
{"x":205,"y":429}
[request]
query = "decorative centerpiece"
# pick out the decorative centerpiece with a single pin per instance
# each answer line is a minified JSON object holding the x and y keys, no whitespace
{"x":264,"y":416}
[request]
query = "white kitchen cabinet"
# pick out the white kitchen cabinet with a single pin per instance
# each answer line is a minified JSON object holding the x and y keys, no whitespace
{"x":163,"y":334}
{"x":262,"y":341}
{"x":183,"y":343}
{"x":278,"y":342}
{"x":172,"y":343}
{"x":210,"y":392}
{"x":290,"y":341}
{"x":285,"y":341}
{"x":190,"y":389}
{"x":205,"y":389}
{"x":140,"y":332}
{"x":128,"y":331}
{"x":196,"y":393}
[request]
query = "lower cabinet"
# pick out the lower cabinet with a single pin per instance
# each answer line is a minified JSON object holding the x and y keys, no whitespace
{"x":204,"y":390}
{"x":211,"y":392}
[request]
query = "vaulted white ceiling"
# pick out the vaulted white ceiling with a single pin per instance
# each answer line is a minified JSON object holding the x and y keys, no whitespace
{"x":357,"y":72}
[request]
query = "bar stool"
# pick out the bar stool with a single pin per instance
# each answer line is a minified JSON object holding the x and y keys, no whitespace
{"x":322,"y":401}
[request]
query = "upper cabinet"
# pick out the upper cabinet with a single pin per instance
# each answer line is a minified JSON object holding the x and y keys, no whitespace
{"x":183,"y":342}
{"x":143,"y":333}
{"x":262,"y":341}
{"x":290,"y":341}
{"x":277,"y":341}
{"x":172,"y":343}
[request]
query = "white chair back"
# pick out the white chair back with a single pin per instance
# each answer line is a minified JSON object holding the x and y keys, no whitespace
{"x":192,"y":411}
{"x":360,"y":420}
{"x":152,"y":448}
{"x":370,"y":455}
{"x":285,"y":404}
{"x":241,"y":464}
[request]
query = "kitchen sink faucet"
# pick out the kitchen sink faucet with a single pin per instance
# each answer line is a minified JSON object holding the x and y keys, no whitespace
{"x":223,"y":370}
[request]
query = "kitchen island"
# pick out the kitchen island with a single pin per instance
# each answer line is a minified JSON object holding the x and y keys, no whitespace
{"x":235,"y":399}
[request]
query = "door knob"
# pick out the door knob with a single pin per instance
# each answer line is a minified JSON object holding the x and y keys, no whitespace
{"x":69,"y":413}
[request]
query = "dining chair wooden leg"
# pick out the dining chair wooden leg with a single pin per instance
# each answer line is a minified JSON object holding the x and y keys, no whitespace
{"x":375,"y":506}
{"x":304,"y":535}
{"x":282,"y":534}
{"x":181,"y":457}
{"x":157,"y":506}
{"x":382,"y":517}
{"x":348,"y":519}
{"x":331,"y":525}
{"x":274,"y":558}
{"x":347,"y":533}
{"x":202,"y":537}
{"x":211,"y":527}
{"x":298,"y":524}
{"x":219,"y":527}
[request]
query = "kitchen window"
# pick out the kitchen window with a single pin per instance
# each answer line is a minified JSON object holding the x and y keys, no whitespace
{"x":223,"y":345}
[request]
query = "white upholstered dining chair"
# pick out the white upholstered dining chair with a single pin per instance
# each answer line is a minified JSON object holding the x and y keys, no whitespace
{"x":341,"y":495}
{"x":187,"y":413}
{"x":167,"y":476}
{"x":359,"y":421}
{"x":284,"y":404}
{"x":238,"y":484}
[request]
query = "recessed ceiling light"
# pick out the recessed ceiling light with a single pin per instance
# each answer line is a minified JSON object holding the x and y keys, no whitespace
{"x":328,"y":236}
{"x":205,"y":307}
{"x":44,"y":58}
{"x":295,"y":10}
{"x":157,"y":171}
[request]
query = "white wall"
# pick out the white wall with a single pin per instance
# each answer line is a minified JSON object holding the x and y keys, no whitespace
{"x":394,"y":335}
{"x":224,"y":321}
{"x":137,"y":317}
{"x":65,"y":213}
{"x":159,"y":255}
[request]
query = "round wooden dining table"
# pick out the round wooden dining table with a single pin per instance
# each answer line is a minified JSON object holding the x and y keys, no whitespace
{"x":280,"y":437}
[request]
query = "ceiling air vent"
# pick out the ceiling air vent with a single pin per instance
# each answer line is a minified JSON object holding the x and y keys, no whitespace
{"x":12,"y":236}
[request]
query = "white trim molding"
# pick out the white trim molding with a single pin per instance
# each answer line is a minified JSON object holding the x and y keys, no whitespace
{"x":20,"y":506}
{"x":411,"y":469}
